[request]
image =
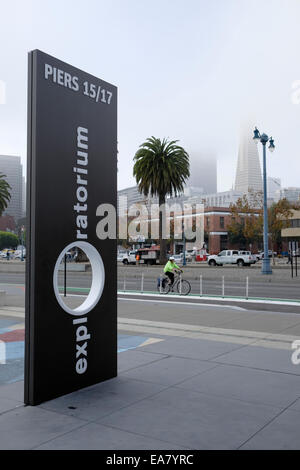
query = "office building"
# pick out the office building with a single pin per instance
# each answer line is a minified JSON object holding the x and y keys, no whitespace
{"x":222,"y":199}
{"x":129,"y":196}
{"x":292,"y":194}
{"x":7,"y":224}
{"x":248,"y":172}
{"x":273,"y":186}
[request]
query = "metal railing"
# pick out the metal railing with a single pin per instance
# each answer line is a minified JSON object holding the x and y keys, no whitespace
{"x":139,"y":283}
{"x":202,"y":287}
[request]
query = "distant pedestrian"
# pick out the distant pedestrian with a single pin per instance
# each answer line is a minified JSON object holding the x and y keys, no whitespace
{"x":7,"y":255}
{"x":289,"y":258}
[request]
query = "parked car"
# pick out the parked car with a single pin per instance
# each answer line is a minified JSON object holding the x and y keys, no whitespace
{"x":130,"y":257}
{"x":190,"y":255}
{"x":238,"y":257}
{"x":178,"y":258}
{"x":121,"y":255}
{"x":18,"y":254}
{"x":260,"y":254}
{"x":3,"y":253}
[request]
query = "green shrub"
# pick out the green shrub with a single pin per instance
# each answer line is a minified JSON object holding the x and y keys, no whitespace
{"x":8,"y":240}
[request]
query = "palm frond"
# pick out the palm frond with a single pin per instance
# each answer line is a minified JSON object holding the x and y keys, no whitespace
{"x":161,"y":167}
{"x":5,"y":194}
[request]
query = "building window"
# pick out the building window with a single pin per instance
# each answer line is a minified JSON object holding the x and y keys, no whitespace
{"x":295,"y":223}
{"x":222,"y":222}
{"x":207,"y":222}
{"x":223,"y":242}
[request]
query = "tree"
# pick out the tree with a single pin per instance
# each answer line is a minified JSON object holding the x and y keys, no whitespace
{"x":161,"y":169}
{"x":245,"y":227}
{"x":278,"y":217}
{"x":236,"y":234}
{"x":8,"y":240}
{"x":4,"y":193}
{"x":247,"y":220}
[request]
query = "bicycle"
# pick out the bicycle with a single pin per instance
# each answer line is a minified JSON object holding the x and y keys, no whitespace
{"x":182,"y":286}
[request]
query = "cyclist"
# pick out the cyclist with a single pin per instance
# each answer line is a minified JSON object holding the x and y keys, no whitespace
{"x":169,"y":268}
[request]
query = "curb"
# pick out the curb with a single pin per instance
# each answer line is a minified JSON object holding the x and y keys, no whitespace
{"x":253,"y":300}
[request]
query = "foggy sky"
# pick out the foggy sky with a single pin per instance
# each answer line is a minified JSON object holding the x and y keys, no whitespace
{"x":192,"y":70}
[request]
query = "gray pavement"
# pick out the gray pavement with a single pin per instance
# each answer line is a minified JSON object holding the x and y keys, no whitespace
{"x":279,"y":285}
{"x":200,"y":377}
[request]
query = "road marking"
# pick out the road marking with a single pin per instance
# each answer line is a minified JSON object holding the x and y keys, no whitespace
{"x":184,"y":303}
{"x":234,"y":307}
{"x":227,"y":298}
{"x":73,"y":295}
{"x":244,"y":337}
{"x":133,"y":342}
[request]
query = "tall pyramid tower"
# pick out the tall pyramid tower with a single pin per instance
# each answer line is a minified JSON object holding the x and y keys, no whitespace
{"x":248,"y":172}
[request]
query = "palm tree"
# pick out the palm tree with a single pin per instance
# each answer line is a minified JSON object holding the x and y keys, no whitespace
{"x":161,"y":168}
{"x":4,"y":193}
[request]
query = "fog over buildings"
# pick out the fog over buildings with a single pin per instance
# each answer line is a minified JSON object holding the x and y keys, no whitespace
{"x":273,"y":187}
{"x":224,"y":66}
{"x":203,"y":174}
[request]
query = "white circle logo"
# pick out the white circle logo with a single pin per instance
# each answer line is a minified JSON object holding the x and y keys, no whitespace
{"x":98,"y":279}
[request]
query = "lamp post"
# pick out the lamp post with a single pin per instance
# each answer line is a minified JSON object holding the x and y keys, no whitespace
{"x":264,"y":139}
{"x":184,"y":245}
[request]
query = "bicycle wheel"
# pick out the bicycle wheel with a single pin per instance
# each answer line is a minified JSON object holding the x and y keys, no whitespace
{"x":185,"y":288}
{"x":164,"y":288}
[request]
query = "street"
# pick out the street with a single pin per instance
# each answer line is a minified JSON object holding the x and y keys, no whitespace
{"x":279,"y":285}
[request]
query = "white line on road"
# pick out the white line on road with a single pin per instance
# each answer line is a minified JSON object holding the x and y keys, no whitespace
{"x":73,"y":295}
{"x":194,"y":304}
{"x":183,"y":303}
{"x":294,"y":303}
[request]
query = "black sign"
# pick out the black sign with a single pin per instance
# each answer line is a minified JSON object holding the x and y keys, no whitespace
{"x":72,"y":169}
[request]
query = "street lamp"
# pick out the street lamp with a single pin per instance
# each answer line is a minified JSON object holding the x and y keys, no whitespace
{"x":271,"y":146}
{"x":184,"y":244}
{"x":264,"y":139}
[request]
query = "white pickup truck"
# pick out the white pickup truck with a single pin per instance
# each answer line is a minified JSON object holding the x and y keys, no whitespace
{"x":241,"y":258}
{"x":129,"y":258}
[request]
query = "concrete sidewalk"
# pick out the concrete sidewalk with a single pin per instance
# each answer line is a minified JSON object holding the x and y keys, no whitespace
{"x":193,"y":388}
